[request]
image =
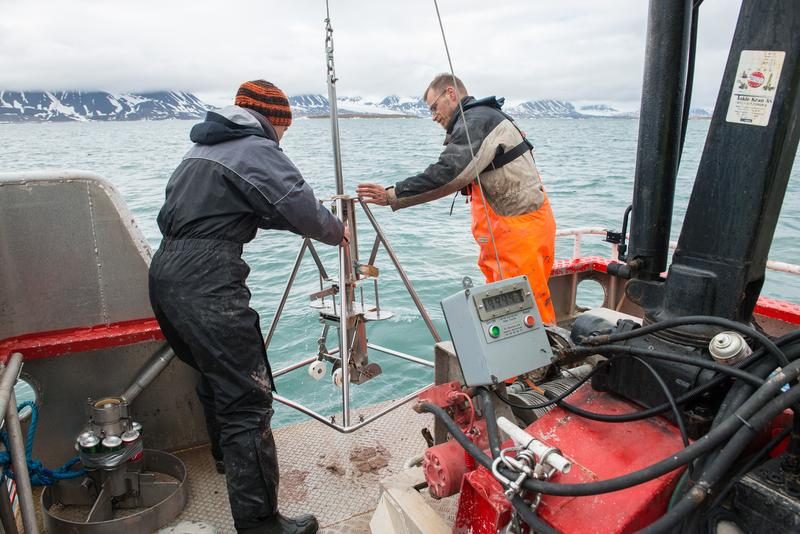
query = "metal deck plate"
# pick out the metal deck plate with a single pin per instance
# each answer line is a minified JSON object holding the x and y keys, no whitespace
{"x":334,"y":476}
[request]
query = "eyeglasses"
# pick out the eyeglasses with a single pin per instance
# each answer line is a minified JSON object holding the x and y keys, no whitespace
{"x":433,"y":106}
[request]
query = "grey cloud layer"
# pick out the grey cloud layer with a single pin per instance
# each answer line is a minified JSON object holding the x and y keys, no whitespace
{"x":522,"y":49}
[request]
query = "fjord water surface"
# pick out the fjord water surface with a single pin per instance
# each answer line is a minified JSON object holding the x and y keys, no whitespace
{"x":587,"y":167}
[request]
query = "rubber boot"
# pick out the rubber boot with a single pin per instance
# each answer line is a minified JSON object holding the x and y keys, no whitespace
{"x":302,"y":524}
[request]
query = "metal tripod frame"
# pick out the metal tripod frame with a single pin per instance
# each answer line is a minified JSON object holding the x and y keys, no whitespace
{"x":349,"y":316}
{"x":350,"y":319}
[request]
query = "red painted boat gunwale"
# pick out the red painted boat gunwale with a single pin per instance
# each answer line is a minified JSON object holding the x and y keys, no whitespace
{"x":49,"y":344}
{"x":39,"y":345}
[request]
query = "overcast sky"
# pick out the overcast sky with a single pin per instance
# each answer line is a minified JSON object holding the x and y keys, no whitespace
{"x":578,"y":50}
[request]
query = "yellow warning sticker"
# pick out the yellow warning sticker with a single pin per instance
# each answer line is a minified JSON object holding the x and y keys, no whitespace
{"x":755,"y":86}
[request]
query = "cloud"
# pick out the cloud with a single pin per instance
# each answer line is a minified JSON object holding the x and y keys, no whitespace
{"x":573,"y":49}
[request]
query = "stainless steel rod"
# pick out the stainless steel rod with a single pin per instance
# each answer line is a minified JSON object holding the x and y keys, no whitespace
{"x":149,"y":372}
{"x":402,"y":355}
{"x":377,"y":300}
{"x":285,"y":295}
{"x":18,"y":460}
{"x":322,"y":272}
{"x":294,"y":366}
{"x":403,"y":276}
{"x":344,"y":311}
{"x":7,"y":381}
{"x":347,"y":429}
{"x":351,"y":222}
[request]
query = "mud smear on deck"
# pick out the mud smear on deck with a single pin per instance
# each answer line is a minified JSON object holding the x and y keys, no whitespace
{"x":330,"y":462}
{"x":368,"y":459}
{"x":363,"y":459}
{"x":293,"y":485}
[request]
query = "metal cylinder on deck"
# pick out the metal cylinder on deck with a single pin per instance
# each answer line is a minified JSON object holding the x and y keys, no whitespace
{"x":445,"y":464}
{"x":729,"y":348}
{"x":108,"y":416}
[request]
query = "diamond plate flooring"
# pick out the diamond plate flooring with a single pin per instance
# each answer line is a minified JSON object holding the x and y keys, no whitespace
{"x":332,"y":475}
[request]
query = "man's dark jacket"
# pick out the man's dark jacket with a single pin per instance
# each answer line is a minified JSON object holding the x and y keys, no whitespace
{"x":235,"y":180}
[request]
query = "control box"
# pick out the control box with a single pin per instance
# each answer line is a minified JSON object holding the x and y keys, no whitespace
{"x":497,"y":331}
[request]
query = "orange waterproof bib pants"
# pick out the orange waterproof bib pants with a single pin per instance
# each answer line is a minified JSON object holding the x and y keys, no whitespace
{"x":525,"y":244}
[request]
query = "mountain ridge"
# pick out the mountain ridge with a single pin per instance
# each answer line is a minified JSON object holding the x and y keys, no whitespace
{"x":83,"y":106}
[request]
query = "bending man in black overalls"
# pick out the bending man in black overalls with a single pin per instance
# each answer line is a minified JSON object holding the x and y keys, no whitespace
{"x":234,"y":181}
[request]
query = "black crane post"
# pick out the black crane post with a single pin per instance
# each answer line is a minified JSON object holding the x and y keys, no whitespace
{"x":660,"y":124}
{"x":718,"y":267}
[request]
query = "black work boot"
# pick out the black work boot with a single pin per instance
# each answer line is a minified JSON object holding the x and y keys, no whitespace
{"x":280,"y":524}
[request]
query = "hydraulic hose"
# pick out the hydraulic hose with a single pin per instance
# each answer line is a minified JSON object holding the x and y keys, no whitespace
{"x":703,"y":445}
{"x":789,"y":338}
{"x":765,"y":342}
{"x":695,"y":496}
{"x":491,"y":421}
{"x":644,"y":414}
{"x":528,"y":516}
{"x":758,"y":410}
{"x":738,"y":393}
{"x":792,"y":351}
{"x":670,"y":400}
{"x":750,"y":464}
{"x":473,"y":450}
{"x":625,"y":350}
{"x":741,"y":391}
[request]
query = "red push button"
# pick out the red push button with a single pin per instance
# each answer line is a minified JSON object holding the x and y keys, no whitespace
{"x":529,"y":321}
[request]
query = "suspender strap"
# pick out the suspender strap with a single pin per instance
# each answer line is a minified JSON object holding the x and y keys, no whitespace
{"x":507,"y":157}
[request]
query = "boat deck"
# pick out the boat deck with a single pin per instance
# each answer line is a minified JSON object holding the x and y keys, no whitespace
{"x":332,"y":475}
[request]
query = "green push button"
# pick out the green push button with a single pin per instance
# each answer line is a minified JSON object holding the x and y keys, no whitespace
{"x":494,"y":331}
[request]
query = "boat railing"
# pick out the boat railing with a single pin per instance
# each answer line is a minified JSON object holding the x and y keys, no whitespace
{"x":8,"y":407}
{"x":578,"y":234}
{"x":572,"y":282}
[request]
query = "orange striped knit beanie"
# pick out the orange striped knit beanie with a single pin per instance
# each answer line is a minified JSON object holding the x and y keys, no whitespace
{"x":265,"y":98}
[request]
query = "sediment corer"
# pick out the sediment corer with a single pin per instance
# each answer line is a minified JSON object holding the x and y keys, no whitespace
{"x":545,"y":453}
{"x":729,"y":348}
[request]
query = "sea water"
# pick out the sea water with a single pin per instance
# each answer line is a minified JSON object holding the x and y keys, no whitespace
{"x":587,"y":167}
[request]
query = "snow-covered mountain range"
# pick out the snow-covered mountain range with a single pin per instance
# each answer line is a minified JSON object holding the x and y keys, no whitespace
{"x":40,"y":106}
{"x":317,"y":106}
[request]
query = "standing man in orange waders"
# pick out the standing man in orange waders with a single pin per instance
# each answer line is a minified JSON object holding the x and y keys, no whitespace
{"x":515,"y":204}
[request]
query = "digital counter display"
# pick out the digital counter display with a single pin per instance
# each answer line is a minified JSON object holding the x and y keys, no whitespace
{"x":502,"y":300}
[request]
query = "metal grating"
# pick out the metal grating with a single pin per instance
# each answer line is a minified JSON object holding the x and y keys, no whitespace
{"x":334,"y":476}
